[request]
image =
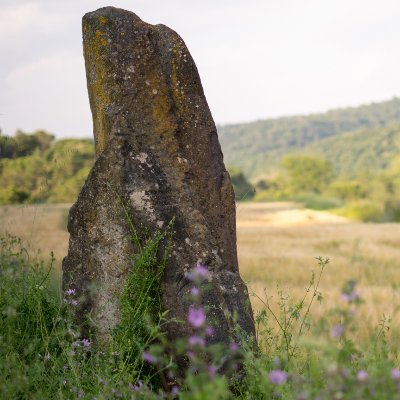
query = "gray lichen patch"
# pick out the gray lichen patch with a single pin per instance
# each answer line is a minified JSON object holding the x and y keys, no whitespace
{"x":142,"y":202}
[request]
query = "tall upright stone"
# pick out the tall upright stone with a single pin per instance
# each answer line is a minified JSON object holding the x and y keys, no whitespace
{"x":157,"y":151}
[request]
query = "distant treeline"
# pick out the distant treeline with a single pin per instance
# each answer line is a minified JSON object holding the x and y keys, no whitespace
{"x":372,"y":195}
{"x":347,"y":160}
{"x":35,"y":168}
{"x":352,"y":139}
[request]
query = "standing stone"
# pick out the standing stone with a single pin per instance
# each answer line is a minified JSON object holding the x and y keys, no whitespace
{"x":158,"y":152}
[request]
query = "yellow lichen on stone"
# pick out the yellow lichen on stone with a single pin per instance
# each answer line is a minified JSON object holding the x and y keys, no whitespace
{"x":102,"y":40}
{"x":179,"y":97}
{"x":163,"y":122}
{"x":102,"y":20}
{"x":97,"y":92}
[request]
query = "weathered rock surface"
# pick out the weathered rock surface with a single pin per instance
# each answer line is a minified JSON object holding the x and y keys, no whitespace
{"x":157,"y":151}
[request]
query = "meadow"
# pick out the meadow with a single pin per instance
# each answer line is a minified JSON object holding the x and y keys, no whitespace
{"x":277,"y":246}
{"x":352,"y":324}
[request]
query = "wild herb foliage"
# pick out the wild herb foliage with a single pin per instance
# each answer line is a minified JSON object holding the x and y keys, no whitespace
{"x":41,"y":352}
{"x":141,"y":314}
{"x":43,"y":357}
{"x":32,"y":326}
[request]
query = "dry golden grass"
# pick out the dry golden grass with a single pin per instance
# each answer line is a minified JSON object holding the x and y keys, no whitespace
{"x":41,"y":227}
{"x":280,"y":253}
{"x":277,"y":245}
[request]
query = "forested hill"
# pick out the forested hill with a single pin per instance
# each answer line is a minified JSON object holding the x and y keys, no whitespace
{"x":354,"y":141}
{"x":365,"y":151}
{"x":257,"y":147}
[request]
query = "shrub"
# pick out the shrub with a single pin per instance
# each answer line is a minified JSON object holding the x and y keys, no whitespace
{"x":362,"y":210}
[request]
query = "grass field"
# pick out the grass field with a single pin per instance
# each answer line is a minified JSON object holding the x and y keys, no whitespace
{"x":348,"y":353}
{"x":277,"y":245}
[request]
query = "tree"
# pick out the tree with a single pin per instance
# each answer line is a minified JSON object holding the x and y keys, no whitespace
{"x":242,"y":188}
{"x":308,"y":173}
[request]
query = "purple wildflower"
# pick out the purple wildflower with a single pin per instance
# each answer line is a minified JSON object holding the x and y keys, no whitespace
{"x":70,"y":292}
{"x":337,"y":331}
{"x":149,"y":358}
{"x":175,"y":390}
{"x":209,"y":331}
{"x":350,"y":297}
{"x":197,"y":341}
{"x":278,"y":377}
{"x":196,"y":316}
{"x":74,"y":302}
{"x":86,"y":342}
{"x":233,"y":346}
{"x":362,"y":376}
{"x":194,"y":291}
{"x":136,"y":387}
{"x":65,"y":300}
{"x":395,"y":374}
{"x":190,"y":354}
{"x":212,"y":370}
{"x":199,"y":272}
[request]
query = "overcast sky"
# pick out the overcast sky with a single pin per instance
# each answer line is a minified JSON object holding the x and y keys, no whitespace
{"x":257,"y":58}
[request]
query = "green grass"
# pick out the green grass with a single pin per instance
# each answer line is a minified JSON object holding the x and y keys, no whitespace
{"x":42,"y":355}
{"x":317,"y":202}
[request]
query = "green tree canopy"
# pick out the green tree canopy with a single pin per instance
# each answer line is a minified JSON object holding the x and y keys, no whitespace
{"x":243,"y":189}
{"x":308,"y":173}
{"x":24,"y":144}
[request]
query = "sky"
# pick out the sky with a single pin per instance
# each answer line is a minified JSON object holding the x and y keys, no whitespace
{"x":257,"y":59}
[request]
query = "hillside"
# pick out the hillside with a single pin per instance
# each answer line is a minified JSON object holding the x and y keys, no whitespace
{"x":257,"y":147}
{"x":364,"y":151}
{"x":355,"y":142}
{"x":34,"y":168}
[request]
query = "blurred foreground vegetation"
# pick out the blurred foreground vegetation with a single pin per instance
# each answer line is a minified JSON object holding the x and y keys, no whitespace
{"x":43,"y":356}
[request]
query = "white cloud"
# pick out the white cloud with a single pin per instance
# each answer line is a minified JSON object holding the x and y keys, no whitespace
{"x":49,"y":93}
{"x":28,"y":17}
{"x":256,"y":58}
